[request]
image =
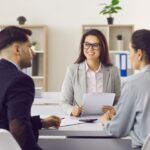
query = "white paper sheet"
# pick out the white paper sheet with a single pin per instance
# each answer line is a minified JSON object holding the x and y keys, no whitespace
{"x":93,"y":102}
{"x":68,"y":121}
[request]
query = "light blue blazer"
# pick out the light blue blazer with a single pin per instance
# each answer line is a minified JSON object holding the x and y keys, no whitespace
{"x":74,"y":85}
{"x":133,"y":109}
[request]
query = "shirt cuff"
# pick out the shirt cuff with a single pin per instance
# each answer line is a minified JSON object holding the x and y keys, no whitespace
{"x":36,"y":121}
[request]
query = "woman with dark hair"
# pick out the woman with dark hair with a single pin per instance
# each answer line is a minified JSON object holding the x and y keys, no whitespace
{"x":92,"y":72}
{"x":133,"y":109}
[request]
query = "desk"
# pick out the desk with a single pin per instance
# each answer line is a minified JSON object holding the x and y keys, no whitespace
{"x":48,"y":104}
{"x":88,"y":136}
{"x":79,"y":130}
{"x":86,"y":144}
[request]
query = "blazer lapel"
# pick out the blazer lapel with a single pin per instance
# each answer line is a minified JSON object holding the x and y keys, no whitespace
{"x":106,"y":75}
{"x":82,"y":76}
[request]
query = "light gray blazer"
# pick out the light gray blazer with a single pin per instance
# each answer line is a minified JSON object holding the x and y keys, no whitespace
{"x":74,"y":85}
{"x":133,"y":109}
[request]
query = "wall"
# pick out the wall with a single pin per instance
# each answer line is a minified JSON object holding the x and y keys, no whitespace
{"x":65,"y":18}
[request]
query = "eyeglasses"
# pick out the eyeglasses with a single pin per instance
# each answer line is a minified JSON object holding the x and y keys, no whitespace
{"x":95,"y":46}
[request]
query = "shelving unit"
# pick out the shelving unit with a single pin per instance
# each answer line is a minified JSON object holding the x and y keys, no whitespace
{"x":39,"y":69}
{"x":111,"y":32}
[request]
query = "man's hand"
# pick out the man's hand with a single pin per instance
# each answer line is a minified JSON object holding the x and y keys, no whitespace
{"x":51,"y":121}
{"x":76,"y":111}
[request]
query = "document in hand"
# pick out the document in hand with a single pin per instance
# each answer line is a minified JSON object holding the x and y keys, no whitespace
{"x":93,"y":102}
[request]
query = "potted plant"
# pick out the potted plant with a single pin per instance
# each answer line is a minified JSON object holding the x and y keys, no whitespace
{"x":21,"y":20}
{"x":110,"y":9}
{"x":119,"y":42}
{"x":34,"y":43}
{"x":119,"y":37}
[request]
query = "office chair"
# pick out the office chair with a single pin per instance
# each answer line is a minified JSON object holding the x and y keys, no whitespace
{"x":146,"y":145}
{"x":7,"y":141}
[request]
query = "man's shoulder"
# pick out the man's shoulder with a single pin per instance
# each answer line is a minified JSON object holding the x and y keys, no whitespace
{"x":17,"y":76}
{"x":23,"y":76}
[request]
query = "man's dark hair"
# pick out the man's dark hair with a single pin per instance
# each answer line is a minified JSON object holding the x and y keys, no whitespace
{"x":13,"y":34}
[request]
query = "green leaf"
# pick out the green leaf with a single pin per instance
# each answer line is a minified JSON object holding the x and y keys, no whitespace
{"x":115,"y":3}
{"x":103,"y":11}
{"x":108,"y":6}
{"x":106,"y":13}
{"x":111,"y":8}
{"x":118,"y":7}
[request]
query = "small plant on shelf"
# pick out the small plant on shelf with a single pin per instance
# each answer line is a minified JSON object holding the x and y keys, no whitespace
{"x":119,"y":37}
{"x":119,"y":42}
{"x":110,"y":9}
{"x":33,"y":45}
{"x":21,"y":20}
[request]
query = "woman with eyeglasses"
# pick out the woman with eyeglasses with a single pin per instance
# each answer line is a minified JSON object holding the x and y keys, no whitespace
{"x":91,"y":72}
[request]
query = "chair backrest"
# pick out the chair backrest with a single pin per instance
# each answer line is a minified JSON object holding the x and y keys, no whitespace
{"x":146,"y":145}
{"x":7,"y":141}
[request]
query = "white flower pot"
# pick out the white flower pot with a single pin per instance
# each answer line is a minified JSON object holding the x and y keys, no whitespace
{"x":120,"y":45}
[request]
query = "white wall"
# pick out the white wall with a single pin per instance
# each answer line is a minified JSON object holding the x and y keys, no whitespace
{"x":65,"y":18}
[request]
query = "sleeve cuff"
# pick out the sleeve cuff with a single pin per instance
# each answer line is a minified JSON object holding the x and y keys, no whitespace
{"x":36,"y":121}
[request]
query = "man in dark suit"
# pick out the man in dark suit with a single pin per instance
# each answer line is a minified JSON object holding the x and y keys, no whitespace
{"x":17,"y":89}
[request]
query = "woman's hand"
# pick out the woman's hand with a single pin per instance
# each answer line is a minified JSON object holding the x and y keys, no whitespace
{"x":51,"y":121}
{"x":110,"y":110}
{"x":104,"y":118}
{"x":76,"y":111}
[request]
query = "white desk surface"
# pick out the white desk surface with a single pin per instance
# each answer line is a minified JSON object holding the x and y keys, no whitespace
{"x":48,"y":105}
{"x":48,"y":98}
{"x":84,"y":136}
{"x":81,"y":130}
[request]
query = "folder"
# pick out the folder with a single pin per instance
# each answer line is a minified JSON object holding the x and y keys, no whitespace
{"x":123,"y":65}
{"x":117,"y":60}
